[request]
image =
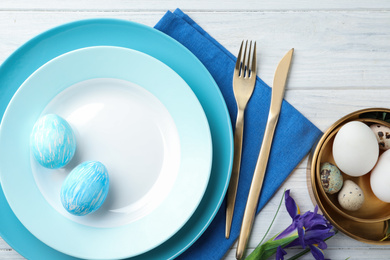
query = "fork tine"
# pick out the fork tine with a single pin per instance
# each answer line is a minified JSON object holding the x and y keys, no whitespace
{"x":249,"y":61}
{"x":254,"y":62}
{"x":238,"y":62}
{"x":244,"y":61}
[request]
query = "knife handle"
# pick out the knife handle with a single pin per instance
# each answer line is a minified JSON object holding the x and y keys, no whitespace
{"x":233,"y":184}
{"x":256,"y":185}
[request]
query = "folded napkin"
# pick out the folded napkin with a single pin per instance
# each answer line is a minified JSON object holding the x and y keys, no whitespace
{"x":294,"y":135}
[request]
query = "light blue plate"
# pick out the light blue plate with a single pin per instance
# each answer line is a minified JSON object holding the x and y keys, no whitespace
{"x":60,"y":40}
{"x":183,"y":193}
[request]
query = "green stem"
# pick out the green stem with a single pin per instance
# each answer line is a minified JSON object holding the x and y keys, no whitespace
{"x":387,"y":232}
{"x":302,"y":253}
{"x":272,"y":222}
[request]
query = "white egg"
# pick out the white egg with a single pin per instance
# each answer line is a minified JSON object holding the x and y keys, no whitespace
{"x":355,"y":149}
{"x":380,"y":178}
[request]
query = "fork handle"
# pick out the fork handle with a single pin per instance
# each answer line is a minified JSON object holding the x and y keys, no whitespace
{"x":233,"y":184}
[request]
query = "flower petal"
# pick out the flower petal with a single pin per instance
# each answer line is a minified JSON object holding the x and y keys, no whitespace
{"x":296,"y":242}
{"x":280,"y":253}
{"x":315,"y":236}
{"x":314,"y":221}
{"x":291,"y":206}
{"x":301,"y":234}
{"x":322,"y":245}
{"x":317,"y":252}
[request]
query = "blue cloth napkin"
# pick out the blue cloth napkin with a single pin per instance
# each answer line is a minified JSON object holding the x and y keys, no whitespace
{"x":294,"y":135}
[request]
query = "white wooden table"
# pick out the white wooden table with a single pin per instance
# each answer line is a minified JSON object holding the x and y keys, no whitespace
{"x":341,"y":64}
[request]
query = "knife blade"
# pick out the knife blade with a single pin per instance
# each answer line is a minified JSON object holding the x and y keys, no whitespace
{"x":278,"y":89}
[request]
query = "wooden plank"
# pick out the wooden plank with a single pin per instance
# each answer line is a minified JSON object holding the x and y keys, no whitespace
{"x":191,"y":5}
{"x":10,"y":255}
{"x":323,"y":107}
{"x":332,"y":49}
{"x":6,"y":252}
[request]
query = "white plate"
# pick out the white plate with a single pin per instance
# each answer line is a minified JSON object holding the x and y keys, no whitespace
{"x":134,"y":114}
{"x":131,"y":132}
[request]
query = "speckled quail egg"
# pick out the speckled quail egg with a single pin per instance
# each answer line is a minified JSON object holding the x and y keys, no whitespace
{"x":382,"y":134}
{"x":351,"y":196}
{"x":331,"y":178}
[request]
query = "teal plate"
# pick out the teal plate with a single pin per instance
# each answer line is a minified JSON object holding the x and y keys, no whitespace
{"x":110,"y":32}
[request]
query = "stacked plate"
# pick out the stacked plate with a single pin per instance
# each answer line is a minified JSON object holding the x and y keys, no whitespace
{"x":139,"y":102}
{"x":370,"y":223}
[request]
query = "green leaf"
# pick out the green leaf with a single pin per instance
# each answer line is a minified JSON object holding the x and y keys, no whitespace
{"x":369,"y":115}
{"x":270,"y":247}
{"x":376,"y":115}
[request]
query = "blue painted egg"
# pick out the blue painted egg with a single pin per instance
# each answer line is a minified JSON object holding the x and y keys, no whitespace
{"x":85,"y":188}
{"x":52,"y":141}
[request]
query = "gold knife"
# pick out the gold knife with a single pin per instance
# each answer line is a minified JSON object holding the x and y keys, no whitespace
{"x":278,"y":88}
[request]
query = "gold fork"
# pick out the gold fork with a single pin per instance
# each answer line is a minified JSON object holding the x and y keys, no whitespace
{"x":244,"y":79}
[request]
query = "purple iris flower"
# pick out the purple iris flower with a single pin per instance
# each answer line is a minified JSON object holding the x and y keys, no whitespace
{"x":312,"y":229}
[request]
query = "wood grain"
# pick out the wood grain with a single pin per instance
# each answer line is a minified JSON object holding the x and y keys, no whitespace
{"x":192,"y":5}
{"x":332,"y":49}
{"x":341,"y":64}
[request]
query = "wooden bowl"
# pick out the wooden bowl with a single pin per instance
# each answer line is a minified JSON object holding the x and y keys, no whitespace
{"x":373,"y":209}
